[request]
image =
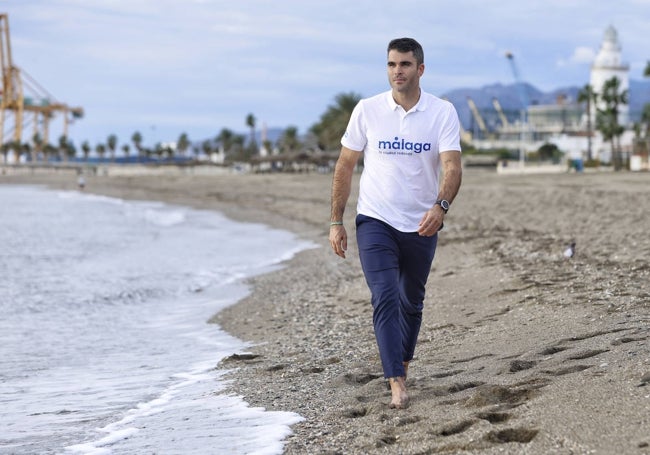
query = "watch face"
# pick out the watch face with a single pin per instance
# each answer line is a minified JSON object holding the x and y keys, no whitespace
{"x":445,"y":205}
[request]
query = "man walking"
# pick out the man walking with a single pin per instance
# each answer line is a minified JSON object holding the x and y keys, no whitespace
{"x":406,"y":136}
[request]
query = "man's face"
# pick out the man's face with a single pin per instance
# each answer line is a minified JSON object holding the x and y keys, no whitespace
{"x":403,"y":71}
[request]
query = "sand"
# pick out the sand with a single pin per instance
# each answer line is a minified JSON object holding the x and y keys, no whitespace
{"x":521,"y":351}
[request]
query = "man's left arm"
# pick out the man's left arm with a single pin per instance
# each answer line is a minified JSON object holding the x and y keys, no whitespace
{"x":452,"y":173}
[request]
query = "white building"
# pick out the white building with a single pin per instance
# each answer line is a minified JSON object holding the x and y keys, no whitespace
{"x":609,"y":64}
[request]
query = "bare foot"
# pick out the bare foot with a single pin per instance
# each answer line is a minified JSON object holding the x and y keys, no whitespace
{"x":406,"y":370}
{"x":399,"y":398}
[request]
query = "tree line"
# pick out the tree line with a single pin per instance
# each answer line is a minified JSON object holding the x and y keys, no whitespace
{"x":325,"y":135}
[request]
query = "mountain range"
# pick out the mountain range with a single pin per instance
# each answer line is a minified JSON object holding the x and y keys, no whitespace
{"x":508,"y":96}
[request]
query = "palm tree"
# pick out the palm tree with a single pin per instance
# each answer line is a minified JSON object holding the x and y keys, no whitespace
{"x":48,"y":151}
{"x":126,"y":149}
{"x":183,"y":144}
{"x":111,"y":142}
{"x":206,"y":146}
{"x":333,"y":122}
{"x":642,"y":130}
{"x":100,"y":149}
{"x":159,"y":151}
{"x":38,"y":146}
{"x":63,"y":147}
{"x":645,"y":121}
{"x":71,"y":150}
{"x":250,"y":122}
{"x":137,"y":142}
{"x":225,"y":140}
{"x":85,"y":147}
{"x":607,"y":117}
{"x":5,"y":151}
{"x":289,"y":142}
{"x":645,"y":116}
{"x":589,"y":96}
{"x":238,"y":147}
{"x":66,"y":148}
{"x":26,"y":148}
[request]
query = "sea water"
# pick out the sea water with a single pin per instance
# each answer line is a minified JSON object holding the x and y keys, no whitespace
{"x":104,"y":340}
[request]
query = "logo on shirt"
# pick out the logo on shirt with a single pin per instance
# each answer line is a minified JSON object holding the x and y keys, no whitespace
{"x":400,"y":145}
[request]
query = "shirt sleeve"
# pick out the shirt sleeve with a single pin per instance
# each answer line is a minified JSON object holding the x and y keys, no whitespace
{"x":355,"y":137}
{"x":450,"y":133}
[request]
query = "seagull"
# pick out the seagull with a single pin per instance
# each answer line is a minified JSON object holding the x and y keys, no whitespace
{"x":570,"y":251}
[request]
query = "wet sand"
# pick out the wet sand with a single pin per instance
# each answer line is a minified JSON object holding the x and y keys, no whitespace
{"x":521,"y":350}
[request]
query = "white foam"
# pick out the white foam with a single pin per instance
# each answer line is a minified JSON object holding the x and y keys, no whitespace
{"x":164,"y":217}
{"x":241,"y":429}
{"x":89,"y":197}
{"x":99,"y":447}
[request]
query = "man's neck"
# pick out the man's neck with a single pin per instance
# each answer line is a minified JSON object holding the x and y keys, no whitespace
{"x":407,"y":99}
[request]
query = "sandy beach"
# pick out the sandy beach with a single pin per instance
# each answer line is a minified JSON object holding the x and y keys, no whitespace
{"x":522,"y":350}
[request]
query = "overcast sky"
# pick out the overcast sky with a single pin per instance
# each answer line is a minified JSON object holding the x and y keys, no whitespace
{"x":164,"y":67}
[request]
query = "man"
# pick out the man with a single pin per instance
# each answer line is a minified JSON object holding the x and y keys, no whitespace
{"x":406,"y":136}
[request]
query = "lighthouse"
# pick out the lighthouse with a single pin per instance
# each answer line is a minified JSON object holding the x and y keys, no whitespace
{"x":608,"y":64}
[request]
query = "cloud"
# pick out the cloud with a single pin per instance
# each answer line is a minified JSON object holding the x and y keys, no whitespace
{"x":583,"y":54}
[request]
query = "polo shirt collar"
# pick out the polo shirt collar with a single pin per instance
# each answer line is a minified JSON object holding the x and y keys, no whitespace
{"x":421,"y":105}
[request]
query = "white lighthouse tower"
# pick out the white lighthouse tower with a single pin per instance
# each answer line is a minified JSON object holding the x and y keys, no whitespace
{"x":608,"y":63}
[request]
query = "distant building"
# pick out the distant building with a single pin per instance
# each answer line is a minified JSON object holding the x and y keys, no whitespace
{"x":549,"y":119}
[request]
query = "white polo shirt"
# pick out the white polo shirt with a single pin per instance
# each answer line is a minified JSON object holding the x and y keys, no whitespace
{"x":399,"y":182}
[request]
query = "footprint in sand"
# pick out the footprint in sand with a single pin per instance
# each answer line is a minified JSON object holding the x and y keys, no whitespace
{"x":567,"y":370}
{"x":496,"y":394}
{"x":521,"y":435}
{"x":494,"y":417}
{"x":455,"y":428}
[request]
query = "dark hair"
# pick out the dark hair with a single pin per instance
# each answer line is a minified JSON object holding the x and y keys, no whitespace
{"x":408,"y":45}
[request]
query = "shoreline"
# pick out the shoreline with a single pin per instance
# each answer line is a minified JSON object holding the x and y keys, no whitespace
{"x":521,"y":350}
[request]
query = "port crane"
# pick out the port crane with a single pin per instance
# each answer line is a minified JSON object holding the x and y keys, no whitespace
{"x":502,"y":115}
{"x":477,"y":116}
{"x":22,"y":97}
{"x":521,"y":88}
{"x":523,"y":97}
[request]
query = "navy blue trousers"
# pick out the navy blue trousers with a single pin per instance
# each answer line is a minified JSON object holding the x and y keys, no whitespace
{"x":396,"y":266}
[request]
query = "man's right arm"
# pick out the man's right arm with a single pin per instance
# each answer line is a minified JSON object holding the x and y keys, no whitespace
{"x":341,"y":188}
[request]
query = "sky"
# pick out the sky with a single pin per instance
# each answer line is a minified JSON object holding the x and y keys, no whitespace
{"x":167,"y":67}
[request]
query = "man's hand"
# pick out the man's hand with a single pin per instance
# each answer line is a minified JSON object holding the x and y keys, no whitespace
{"x":431,"y":221}
{"x":452,"y":172}
{"x":339,"y":239}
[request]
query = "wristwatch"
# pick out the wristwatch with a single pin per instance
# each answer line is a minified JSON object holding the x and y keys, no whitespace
{"x":444,"y":204}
